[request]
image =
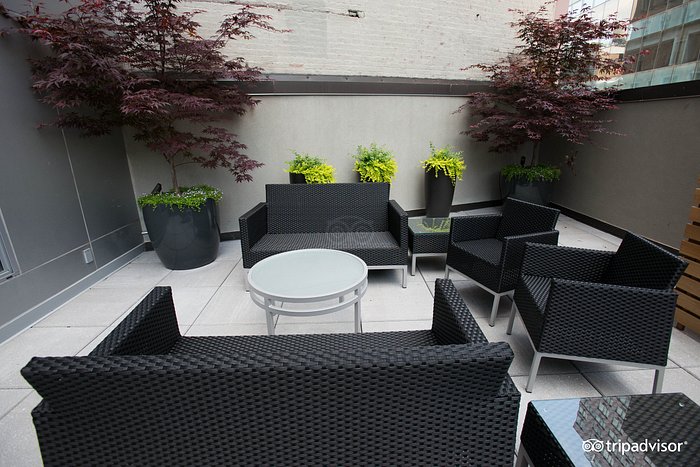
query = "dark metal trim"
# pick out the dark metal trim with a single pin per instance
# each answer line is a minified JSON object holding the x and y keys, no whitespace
{"x":370,"y":85}
{"x":660,"y":91}
{"x":460,"y":207}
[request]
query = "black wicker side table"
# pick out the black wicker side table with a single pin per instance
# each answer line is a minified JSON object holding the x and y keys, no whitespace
{"x":646,"y":430}
{"x":427,"y":236}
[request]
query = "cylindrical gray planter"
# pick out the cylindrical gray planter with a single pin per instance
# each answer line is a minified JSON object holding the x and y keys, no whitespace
{"x":183,"y":238}
{"x":296,"y":178}
{"x":439,"y":192}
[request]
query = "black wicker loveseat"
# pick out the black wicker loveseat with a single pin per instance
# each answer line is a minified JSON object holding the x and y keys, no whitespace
{"x":355,"y":217}
{"x":146,"y":395}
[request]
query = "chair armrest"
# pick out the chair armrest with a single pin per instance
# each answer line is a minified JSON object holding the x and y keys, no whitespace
{"x":398,"y":224}
{"x":253,"y":226}
{"x":465,"y":228}
{"x":565,"y":262}
{"x":514,"y":246}
{"x":150,"y":329}
{"x":452,"y":321}
{"x":609,"y":321}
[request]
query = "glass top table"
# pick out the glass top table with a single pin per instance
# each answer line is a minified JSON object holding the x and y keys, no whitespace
{"x":427,"y":236}
{"x":647,"y":430}
{"x":307,"y":277}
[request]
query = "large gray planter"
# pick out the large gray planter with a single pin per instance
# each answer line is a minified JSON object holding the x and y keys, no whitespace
{"x":534,"y":192}
{"x":183,"y":238}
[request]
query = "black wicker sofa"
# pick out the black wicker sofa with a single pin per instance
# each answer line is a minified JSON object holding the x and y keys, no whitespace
{"x":355,"y":217}
{"x":148,"y":396}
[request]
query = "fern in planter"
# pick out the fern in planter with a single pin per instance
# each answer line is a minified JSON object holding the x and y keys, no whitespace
{"x":313,"y":168}
{"x":445,"y":160}
{"x":375,"y":164}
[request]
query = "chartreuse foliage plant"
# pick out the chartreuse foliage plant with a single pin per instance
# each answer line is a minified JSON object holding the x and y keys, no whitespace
{"x":192,"y":197}
{"x":375,"y":164}
{"x":548,"y":86}
{"x":144,"y":64}
{"x":445,"y":160}
{"x":313,"y":168}
{"x":534,"y":173}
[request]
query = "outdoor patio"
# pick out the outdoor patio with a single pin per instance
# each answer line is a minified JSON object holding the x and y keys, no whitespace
{"x":212,"y":301}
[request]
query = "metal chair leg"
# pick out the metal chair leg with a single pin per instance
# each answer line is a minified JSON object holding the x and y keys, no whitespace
{"x":494,"y":310}
{"x":404,"y":272}
{"x":658,"y":380}
{"x":533,"y":371}
{"x":447,"y":272}
{"x":511,"y":320}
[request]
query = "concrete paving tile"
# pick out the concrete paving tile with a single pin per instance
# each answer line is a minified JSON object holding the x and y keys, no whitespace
{"x":211,"y":275}
{"x":228,"y":330}
{"x":9,"y":398}
{"x":19,"y":446}
{"x":230,"y":250}
{"x":386,"y":302}
{"x":685,"y":348}
{"x":388,"y":326}
{"x":94,"y":307}
{"x":137,"y":275}
{"x":190,"y":301}
{"x":479,"y":300}
{"x":642,"y":382}
{"x":314,"y":328}
{"x":147,"y":257}
{"x":237,"y":277}
{"x":40,"y":342}
{"x":231,"y":305}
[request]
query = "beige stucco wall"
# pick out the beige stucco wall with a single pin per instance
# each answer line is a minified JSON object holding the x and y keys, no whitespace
{"x":333,"y":127}
{"x":644,"y":181}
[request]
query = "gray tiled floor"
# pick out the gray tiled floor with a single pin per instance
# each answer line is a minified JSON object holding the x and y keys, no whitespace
{"x":212,"y":301}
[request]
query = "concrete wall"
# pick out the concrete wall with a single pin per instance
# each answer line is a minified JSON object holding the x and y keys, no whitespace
{"x":644,"y":181}
{"x":403,"y":38}
{"x":59,"y":195}
{"x":333,"y":127}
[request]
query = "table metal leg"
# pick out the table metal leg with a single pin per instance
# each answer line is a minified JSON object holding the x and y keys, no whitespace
{"x":358,"y":312}
{"x":413,"y":264}
{"x":270,"y":317}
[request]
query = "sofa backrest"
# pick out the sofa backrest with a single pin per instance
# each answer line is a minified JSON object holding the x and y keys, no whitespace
{"x":640,"y":263}
{"x":334,"y":207}
{"x":520,"y":218}
{"x":150,"y":329}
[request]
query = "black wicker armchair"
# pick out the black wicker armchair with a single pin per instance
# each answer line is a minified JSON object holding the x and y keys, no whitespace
{"x":599,"y":306}
{"x":146,"y":395}
{"x":489,"y":249}
{"x":355,"y":217}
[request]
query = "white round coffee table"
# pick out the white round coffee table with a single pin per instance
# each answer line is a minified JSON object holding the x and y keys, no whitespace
{"x":308,"y":277}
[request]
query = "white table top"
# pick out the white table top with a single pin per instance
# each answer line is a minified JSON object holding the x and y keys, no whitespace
{"x":311,"y":273}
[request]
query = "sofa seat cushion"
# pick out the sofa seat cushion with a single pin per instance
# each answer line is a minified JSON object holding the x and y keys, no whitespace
{"x":302,"y":343}
{"x":374,"y":248}
{"x":487,"y":249}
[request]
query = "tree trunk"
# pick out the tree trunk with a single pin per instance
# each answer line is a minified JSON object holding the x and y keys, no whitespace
{"x":173,"y":177}
{"x":535,"y":153}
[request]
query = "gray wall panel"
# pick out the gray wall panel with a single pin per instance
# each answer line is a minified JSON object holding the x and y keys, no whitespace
{"x":645,"y":180}
{"x":37,"y":192}
{"x":27,"y":290}
{"x":116,"y":243}
{"x":104,"y":182}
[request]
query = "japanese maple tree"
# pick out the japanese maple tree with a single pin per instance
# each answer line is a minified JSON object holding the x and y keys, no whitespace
{"x":548,"y":87}
{"x":144,"y":64}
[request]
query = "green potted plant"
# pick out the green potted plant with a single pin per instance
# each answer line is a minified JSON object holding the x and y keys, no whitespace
{"x":542,"y":91}
{"x":305,"y":168}
{"x":442,"y":170}
{"x":142,"y":64}
{"x":375,"y":164}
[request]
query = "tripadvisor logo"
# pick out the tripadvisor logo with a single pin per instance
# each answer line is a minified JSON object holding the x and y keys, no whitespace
{"x":596,"y":445}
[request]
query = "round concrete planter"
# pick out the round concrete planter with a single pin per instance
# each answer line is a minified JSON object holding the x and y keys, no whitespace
{"x":439,"y":192}
{"x":183,"y":238}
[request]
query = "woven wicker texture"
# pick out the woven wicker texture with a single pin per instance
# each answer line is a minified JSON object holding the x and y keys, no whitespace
{"x":594,"y":319}
{"x":357,"y":218}
{"x":541,"y":445}
{"x":639,"y":263}
{"x":479,"y":250}
{"x":299,"y":208}
{"x":351,"y":399}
